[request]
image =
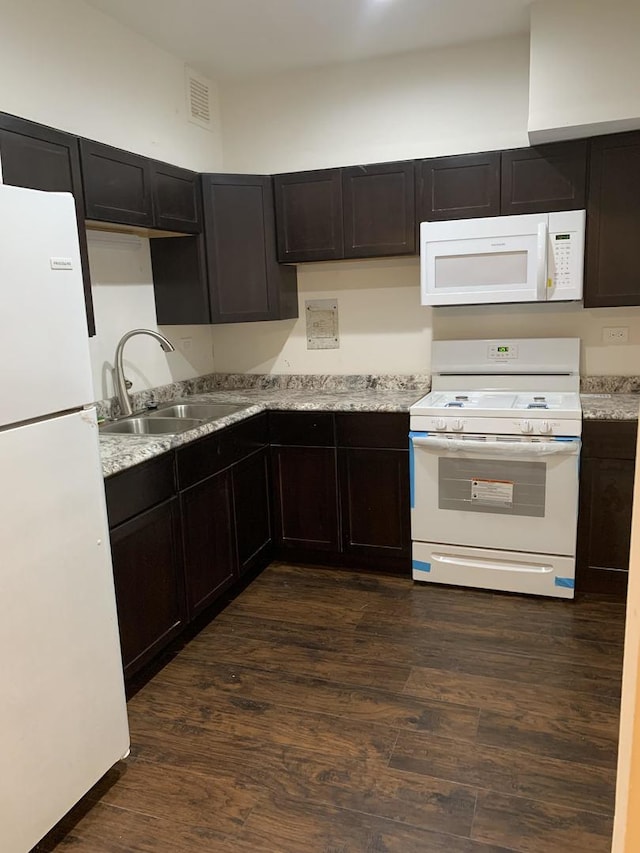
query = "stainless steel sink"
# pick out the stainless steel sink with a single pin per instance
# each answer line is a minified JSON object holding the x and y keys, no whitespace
{"x":151,"y":426}
{"x":202,"y":411}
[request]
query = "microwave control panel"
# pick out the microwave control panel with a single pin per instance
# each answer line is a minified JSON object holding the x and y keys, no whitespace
{"x":566,"y":255}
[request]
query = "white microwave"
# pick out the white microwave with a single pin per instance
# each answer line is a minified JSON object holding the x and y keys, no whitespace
{"x":535,"y":257}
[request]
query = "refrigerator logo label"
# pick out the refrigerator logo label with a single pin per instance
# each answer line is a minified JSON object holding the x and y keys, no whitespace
{"x":61,"y":263}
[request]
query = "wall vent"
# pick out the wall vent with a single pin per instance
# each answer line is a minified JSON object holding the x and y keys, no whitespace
{"x":198,"y":98}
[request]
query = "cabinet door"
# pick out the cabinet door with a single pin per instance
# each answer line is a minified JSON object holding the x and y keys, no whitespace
{"x":246,"y":282}
{"x":117,"y":185}
{"x":180,"y":280}
{"x":606,"y":496}
{"x":374,"y":498}
{"x":147,"y":570}
{"x":252,"y":510}
{"x":379,"y":210}
{"x":209,"y":541}
{"x":458,"y":187}
{"x":604,"y":534}
{"x":41,"y":158}
{"x":306,"y":503}
{"x":309,"y":216}
{"x":545,"y":178}
{"x":613,"y":222}
{"x":176,"y":198}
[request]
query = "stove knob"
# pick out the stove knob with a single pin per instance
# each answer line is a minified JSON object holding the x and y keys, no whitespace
{"x":457,"y":424}
{"x":526,"y":426}
{"x":545,"y":427}
{"x":441,"y":423}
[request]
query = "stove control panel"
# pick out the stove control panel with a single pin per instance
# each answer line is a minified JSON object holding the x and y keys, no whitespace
{"x":530,"y":427}
{"x":502,"y":352}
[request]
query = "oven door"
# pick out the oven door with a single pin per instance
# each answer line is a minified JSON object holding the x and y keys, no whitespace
{"x":502,"y":492}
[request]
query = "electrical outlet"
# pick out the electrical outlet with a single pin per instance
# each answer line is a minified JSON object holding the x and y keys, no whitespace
{"x":185,"y":344}
{"x":615,"y":334}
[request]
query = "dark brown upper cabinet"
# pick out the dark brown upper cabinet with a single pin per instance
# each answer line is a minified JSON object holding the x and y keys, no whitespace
{"x":460,"y":187}
{"x":524,"y":180}
{"x":230,"y":274}
{"x":41,"y":158}
{"x":613,"y":222}
{"x":176,"y":198}
{"x":379,"y":210}
{"x":309,"y":216}
{"x":127,"y":189}
{"x":117,"y":185}
{"x":355,"y":212}
{"x":545,"y":178}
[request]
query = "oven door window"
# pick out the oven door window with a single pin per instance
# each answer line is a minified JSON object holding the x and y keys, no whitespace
{"x":502,"y":486}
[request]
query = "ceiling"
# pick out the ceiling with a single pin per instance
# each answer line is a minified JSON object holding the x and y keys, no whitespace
{"x":231,"y":38}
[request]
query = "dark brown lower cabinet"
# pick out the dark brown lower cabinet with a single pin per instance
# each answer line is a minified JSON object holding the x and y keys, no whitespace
{"x":252,"y":508}
{"x":209,"y":541}
{"x":341,"y":488}
{"x":306,"y":498}
{"x":606,"y":497}
{"x":147,"y":569}
{"x":374,"y":498}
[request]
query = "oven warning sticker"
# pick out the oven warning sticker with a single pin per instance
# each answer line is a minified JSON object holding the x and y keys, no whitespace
{"x":492,"y":492}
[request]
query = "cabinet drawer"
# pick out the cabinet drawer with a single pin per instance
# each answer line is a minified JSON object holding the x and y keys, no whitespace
{"x":137,"y":489}
{"x":311,"y":429}
{"x":373,"y":429}
{"x":217,"y":451}
{"x":609,"y":439}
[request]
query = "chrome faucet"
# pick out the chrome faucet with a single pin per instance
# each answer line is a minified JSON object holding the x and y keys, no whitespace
{"x":122,"y":384}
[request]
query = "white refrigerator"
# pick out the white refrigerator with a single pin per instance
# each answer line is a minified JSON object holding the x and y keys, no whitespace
{"x":63,"y":720}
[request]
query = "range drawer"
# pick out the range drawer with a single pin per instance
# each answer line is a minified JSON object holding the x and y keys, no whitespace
{"x":137,"y":489}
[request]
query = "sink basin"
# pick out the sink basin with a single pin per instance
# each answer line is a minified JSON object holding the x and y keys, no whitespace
{"x":202,"y":411}
{"x":151,"y":426}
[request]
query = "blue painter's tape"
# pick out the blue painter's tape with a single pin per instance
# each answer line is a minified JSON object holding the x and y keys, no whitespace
{"x":412,"y":465}
{"x":567,"y":583}
{"x":419,"y":566}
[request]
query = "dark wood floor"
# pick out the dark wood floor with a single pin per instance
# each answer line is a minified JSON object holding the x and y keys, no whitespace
{"x":339,"y":712}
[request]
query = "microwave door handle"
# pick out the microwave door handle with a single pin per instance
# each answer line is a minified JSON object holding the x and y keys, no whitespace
{"x":541,"y":277}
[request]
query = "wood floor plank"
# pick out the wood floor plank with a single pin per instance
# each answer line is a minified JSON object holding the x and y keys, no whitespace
{"x":533,"y":827}
{"x":499,"y":694}
{"x":290,"y":826}
{"x":264,"y":722}
{"x":298,"y":657}
{"x":531,"y":642}
{"x":340,"y":712}
{"x":109,"y":829}
{"x":506,"y":771}
{"x":209,"y":683}
{"x":371,"y":648}
{"x":568,"y":739}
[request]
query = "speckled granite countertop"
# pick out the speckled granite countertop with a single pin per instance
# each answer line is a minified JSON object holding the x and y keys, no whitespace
{"x":119,"y":452}
{"x":610,"y":407}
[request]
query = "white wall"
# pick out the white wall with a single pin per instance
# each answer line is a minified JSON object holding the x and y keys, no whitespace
{"x":123,"y":299}
{"x":449,"y":101}
{"x":382,"y":326}
{"x":468,"y":98}
{"x":585,"y":64}
{"x":65,"y":64}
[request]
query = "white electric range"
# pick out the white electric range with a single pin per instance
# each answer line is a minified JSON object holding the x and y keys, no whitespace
{"x":495,"y":451}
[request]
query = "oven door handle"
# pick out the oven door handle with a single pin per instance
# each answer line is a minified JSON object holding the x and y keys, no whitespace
{"x":491,"y":449}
